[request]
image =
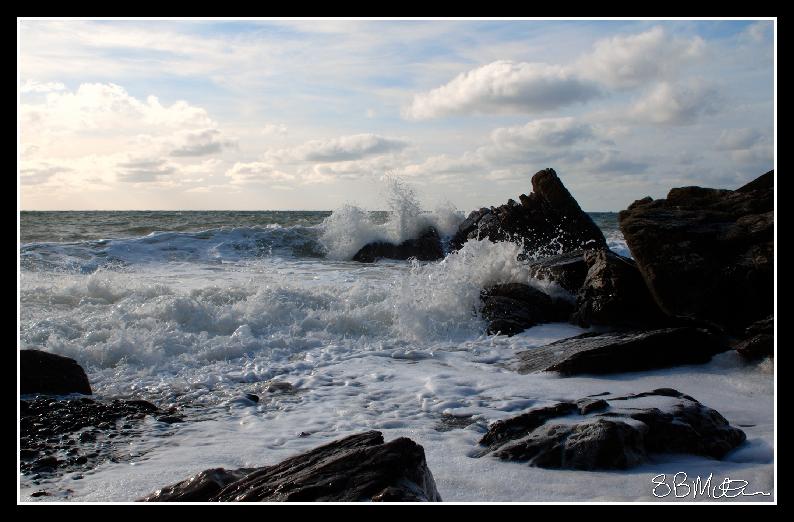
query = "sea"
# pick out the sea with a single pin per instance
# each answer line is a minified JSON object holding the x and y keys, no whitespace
{"x":196,"y":309}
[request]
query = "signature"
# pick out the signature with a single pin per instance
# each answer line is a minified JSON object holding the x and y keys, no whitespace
{"x":682,"y":487}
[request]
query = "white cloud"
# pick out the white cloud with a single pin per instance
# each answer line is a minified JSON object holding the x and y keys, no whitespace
{"x":256,"y":173}
{"x":200,"y":143}
{"x":36,"y":86}
{"x":344,"y":148}
{"x":277,"y":129}
{"x":144,"y":170}
{"x":503,"y":86}
{"x":676,"y":104}
{"x":630,"y":61}
{"x":736,"y":139}
{"x":549,"y":132}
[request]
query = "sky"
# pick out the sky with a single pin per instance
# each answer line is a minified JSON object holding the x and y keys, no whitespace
{"x":312,"y":114}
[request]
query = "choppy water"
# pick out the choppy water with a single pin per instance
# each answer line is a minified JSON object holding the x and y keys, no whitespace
{"x":203,"y":307}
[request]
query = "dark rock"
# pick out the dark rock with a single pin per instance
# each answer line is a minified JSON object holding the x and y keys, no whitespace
{"x":43,"y":372}
{"x":614,"y":294}
{"x":567,"y":270}
{"x":427,"y":247}
{"x":280,"y":387}
{"x":661,"y":421}
{"x":547,"y":222}
{"x":251,"y":397}
{"x":588,"y":405}
{"x":759,"y":340}
{"x":513,"y":307}
{"x":707,"y":253}
{"x":627,"y":351}
{"x":357,"y":468}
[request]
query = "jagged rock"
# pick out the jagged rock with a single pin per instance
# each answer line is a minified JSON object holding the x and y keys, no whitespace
{"x":427,"y":247}
{"x":631,"y":428}
{"x":614,"y":294}
{"x":614,"y":352}
{"x":707,"y":253}
{"x":43,"y":372}
{"x":759,"y":340}
{"x":357,"y":468}
{"x":567,"y":270}
{"x":547,"y":222}
{"x":513,"y":307}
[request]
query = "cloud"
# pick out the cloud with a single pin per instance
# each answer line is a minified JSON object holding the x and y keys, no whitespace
{"x":144,"y":170}
{"x":200,"y":143}
{"x":278,"y":129}
{"x":631,"y":61}
{"x":736,"y":139}
{"x":40,"y":173}
{"x":676,"y":104}
{"x":107,"y":106}
{"x":549,"y":132}
{"x":344,"y":148}
{"x":501,"y":87}
{"x":36,"y":86}
{"x":256,"y":173}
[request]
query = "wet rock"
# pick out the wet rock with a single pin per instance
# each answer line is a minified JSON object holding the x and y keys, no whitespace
{"x":426,"y":247}
{"x":632,"y":428}
{"x":707,"y":253}
{"x":758,"y":340}
{"x":614,"y":293}
{"x":548,"y":221}
{"x":47,"y":373}
{"x":513,"y":307}
{"x":280,"y":387}
{"x":357,"y":468}
{"x":251,"y":397}
{"x":567,"y":270}
{"x":626,"y":351}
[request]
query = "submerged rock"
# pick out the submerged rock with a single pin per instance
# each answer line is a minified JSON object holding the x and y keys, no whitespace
{"x":427,"y":247}
{"x":614,"y":293}
{"x":547,"y":222}
{"x":354,"y":469}
{"x":707,"y":253}
{"x":44,"y":372}
{"x":627,"y":351}
{"x":620,"y":434}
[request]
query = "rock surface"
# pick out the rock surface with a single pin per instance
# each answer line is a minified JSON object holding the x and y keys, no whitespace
{"x":759,"y":340}
{"x":614,"y":294}
{"x":78,"y":434}
{"x":547,"y":222}
{"x":48,"y":373}
{"x":426,"y":247}
{"x":707,"y":253}
{"x":619,"y":435}
{"x":357,"y":468}
{"x":567,"y":270}
{"x":513,"y":307}
{"x":626,"y":351}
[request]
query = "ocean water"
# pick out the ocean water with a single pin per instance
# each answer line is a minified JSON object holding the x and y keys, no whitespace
{"x":196,"y":309}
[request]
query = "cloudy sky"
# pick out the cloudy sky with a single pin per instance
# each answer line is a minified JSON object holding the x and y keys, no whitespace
{"x":300,"y":114}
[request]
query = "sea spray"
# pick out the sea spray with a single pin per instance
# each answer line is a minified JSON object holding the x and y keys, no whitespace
{"x":349,"y":227}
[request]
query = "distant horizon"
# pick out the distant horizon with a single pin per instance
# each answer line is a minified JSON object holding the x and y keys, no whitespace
{"x":208,"y":113}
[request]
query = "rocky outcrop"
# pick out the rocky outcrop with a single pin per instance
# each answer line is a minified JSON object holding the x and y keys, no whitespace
{"x":707,"y":253}
{"x":547,"y":222}
{"x":513,"y":307}
{"x":48,"y":373}
{"x":614,"y":294}
{"x":358,"y":468}
{"x":758,"y":340}
{"x":626,"y":351}
{"x":427,"y":247}
{"x":620,"y":434}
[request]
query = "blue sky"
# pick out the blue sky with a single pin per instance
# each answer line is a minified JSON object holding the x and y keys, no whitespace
{"x":311,"y":114}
